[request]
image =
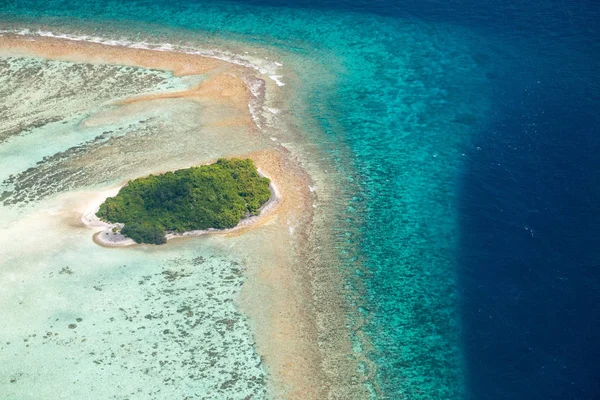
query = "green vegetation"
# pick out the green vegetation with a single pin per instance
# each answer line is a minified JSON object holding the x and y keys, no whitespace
{"x":145,"y":232}
{"x":211,"y":196}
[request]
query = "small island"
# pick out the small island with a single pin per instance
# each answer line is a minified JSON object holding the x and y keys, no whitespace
{"x":215,"y":196}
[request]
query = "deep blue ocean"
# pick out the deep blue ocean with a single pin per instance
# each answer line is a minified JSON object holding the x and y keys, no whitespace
{"x":473,"y":131}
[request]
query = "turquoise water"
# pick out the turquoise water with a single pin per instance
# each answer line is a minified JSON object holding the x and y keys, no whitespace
{"x":394,"y":103}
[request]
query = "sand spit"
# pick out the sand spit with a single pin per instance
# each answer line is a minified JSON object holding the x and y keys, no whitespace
{"x":95,"y":53}
{"x":221,"y":82}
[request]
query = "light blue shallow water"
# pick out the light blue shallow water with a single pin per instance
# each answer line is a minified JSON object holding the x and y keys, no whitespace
{"x":400,"y":101}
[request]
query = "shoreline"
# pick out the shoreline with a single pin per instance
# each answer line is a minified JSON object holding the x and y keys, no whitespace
{"x":90,"y":220}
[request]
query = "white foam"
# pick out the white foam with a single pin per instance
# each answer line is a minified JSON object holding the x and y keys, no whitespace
{"x":277,"y":79}
{"x":255,"y":115}
{"x":256,"y":86}
{"x":261,"y":65}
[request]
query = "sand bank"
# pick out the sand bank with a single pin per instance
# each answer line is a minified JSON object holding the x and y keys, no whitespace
{"x":221,"y":81}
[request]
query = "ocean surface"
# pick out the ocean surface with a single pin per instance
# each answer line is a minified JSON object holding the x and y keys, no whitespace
{"x":468,"y":135}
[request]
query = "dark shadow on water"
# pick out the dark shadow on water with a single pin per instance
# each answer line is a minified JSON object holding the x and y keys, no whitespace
{"x":530,"y":247}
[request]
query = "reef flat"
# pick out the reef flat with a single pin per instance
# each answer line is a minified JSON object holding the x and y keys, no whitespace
{"x":195,"y":110}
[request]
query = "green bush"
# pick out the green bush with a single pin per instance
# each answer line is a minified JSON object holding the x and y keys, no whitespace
{"x":145,"y":232}
{"x":211,"y":196}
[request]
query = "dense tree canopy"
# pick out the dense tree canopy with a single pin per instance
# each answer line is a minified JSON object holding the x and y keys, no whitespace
{"x":211,"y":196}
